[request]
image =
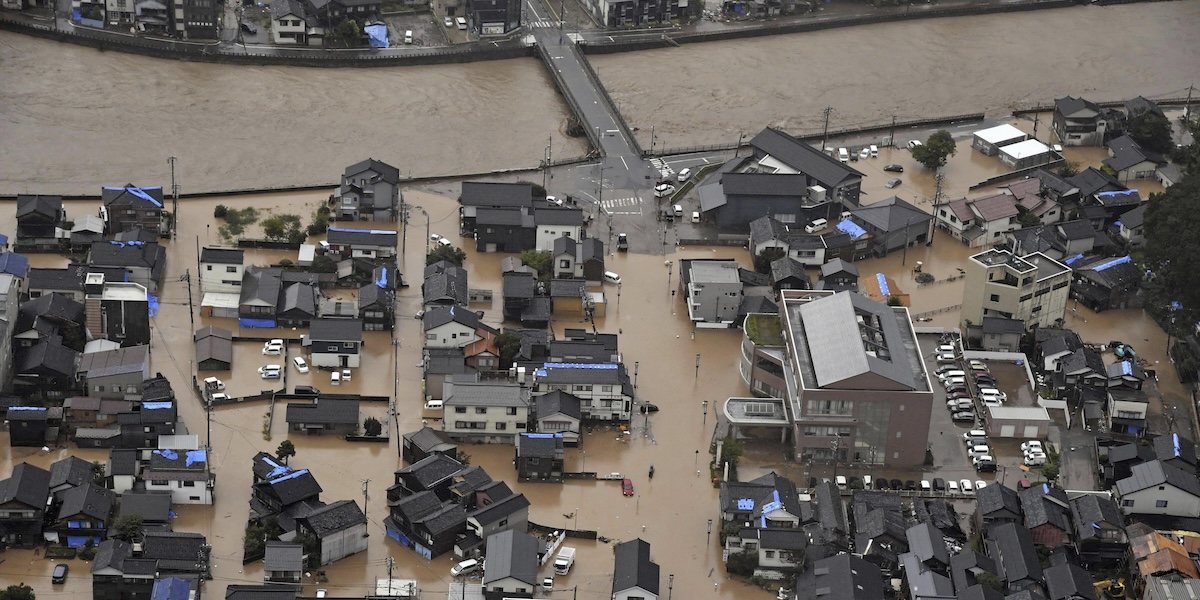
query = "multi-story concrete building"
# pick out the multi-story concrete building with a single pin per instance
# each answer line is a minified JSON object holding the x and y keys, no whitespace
{"x":714,"y":291}
{"x":1033,"y":288}
{"x":857,"y":389}
{"x":485,"y":412}
{"x":221,"y":270}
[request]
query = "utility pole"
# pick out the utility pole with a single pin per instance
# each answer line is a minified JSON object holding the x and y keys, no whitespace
{"x":738,"y":148}
{"x":174,"y":198}
{"x":892,"y":134}
{"x":652,"y":140}
{"x":635,"y":373}
{"x":404,"y":231}
{"x":1187,"y":105}
{"x":1036,"y":121}
{"x":391,"y":564}
{"x":697,"y":366}
{"x":187,"y":276}
{"x":825,"y":132}
{"x":367,"y":497}
{"x":904,"y":256}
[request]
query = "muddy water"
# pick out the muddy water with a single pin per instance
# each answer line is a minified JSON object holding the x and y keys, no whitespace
{"x":115,"y":117}
{"x":917,"y":69}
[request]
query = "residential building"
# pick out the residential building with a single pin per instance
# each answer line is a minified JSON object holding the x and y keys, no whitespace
{"x":1132,"y":226}
{"x":377,"y":307}
{"x":512,"y":564}
{"x":132,"y":207}
{"x":1047,"y":515}
{"x":370,"y":190}
{"x":844,"y":576}
{"x":998,"y":334}
{"x":1170,"y":587}
{"x":298,"y":303}
{"x":340,"y":529}
{"x":144,"y":264}
{"x":979,"y":222}
{"x":1060,"y":241}
{"x":195,"y":19}
{"x":455,"y":327}
{"x":626,"y":13}
{"x":539,"y":457}
{"x":114,"y":374}
{"x":732,"y":198}
{"x":48,"y":367}
{"x":893,"y":223}
{"x":331,"y":13}
{"x":880,"y":528}
{"x":117,"y":575}
{"x":713,"y":290}
{"x":1175,"y":450}
{"x":478,"y":195}
{"x":117,"y":310}
{"x":1099,"y":533}
{"x":44,"y":317}
{"x":989,"y":141}
{"x":1130,"y":161}
{"x":221,"y":270}
{"x":604,"y":389}
{"x":176,"y":553}
{"x":259,"y":296}
{"x":1078,"y":122}
{"x":10,"y":306}
{"x":925,"y":566}
{"x":362,"y":243}
{"x":485,"y":412}
{"x":445,"y":285}
{"x":289,"y":23}
{"x":1068,"y":581}
{"x":283,"y":563}
{"x":67,"y":282}
{"x":70,"y":472}
{"x":426,"y":441}
{"x":855,"y":376}
{"x":214,"y":349}
{"x":154,"y":509}
{"x":183,"y":473}
{"x":519,"y":289}
{"x":425,"y":523}
{"x":578,"y":259}
{"x":788,"y":274}
{"x":1033,"y":288}
{"x":780,"y":153}
{"x":1011,"y":546}
{"x":838,"y":275}
{"x":40,"y":222}
{"x":571,"y":297}
{"x":24,"y":497}
{"x":634,"y":574}
{"x":1037,"y":196}
{"x":1107,"y":283}
{"x":1156,"y":488}
{"x":559,"y":413}
{"x":83,"y":516}
{"x":122,"y":469}
{"x":334,"y":416}
{"x":493,"y":17}
{"x":768,"y":502}
{"x":335,"y":343}
{"x":553,"y":223}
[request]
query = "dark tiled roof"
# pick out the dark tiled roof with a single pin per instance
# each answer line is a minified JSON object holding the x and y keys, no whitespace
{"x":293,"y":486}
{"x":72,"y":471}
{"x":283,"y":556}
{"x":556,"y":402}
{"x":90,"y":500}
{"x":417,"y":506}
{"x":1069,"y":105}
{"x":845,"y":576}
{"x":994,"y":498}
{"x":764,"y":184}
{"x":764,"y":229}
{"x":172,"y":546}
{"x":432,"y":469}
{"x":339,"y":516}
{"x":1092,"y":180}
{"x":138,"y":198}
{"x":803,"y":157}
{"x":1134,"y":218}
{"x":385,"y":171}
{"x":70,"y":278}
{"x":447,"y":284}
{"x":324,"y":410}
{"x":1044,"y":504}
{"x":1069,"y":582}
{"x":1154,"y":473}
{"x":479,"y":193}
{"x":1015,"y":553}
{"x":338,"y":236}
{"x":41,"y":205}
{"x":500,"y":509}
{"x":891,"y":214}
{"x":511,"y":554}
{"x":270,"y":591}
{"x":122,"y":461}
{"x":633,"y":567}
{"x":838,"y":265}
{"x":129,"y":254}
{"x":428,"y":439}
{"x":49,"y":354}
{"x":518,"y":284}
{"x":1000,"y":325}
{"x":450,"y":517}
{"x":926,"y":542}
{"x":261,"y":284}
{"x":567,"y":288}
{"x":110,"y":554}
{"x":1172,"y":446}
{"x":788,"y":267}
{"x":154,"y":507}
{"x":538,"y":445}
{"x":438,"y":316}
{"x":963,"y":567}
{"x":1088,"y":511}
{"x":224,"y":256}
{"x":336,"y":330}
{"x":979,"y":592}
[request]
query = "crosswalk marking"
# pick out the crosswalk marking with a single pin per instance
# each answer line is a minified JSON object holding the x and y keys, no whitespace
{"x":662,"y":166}
{"x":542,"y":23}
{"x":622,"y":206}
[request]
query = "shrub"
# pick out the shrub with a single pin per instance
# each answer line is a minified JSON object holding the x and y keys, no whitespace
{"x":220,"y":211}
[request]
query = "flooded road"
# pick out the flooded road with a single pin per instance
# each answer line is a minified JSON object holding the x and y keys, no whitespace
{"x":709,"y":93}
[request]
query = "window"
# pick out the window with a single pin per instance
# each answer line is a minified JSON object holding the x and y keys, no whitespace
{"x":606,"y":388}
{"x":564,"y":264}
{"x":189,"y":484}
{"x":503,"y":522}
{"x":1127,"y":503}
{"x":431,"y":336}
{"x":769,"y":553}
{"x":995,"y":297}
{"x":462,"y":410}
{"x":207,"y":267}
{"x":231,"y":269}
{"x":581,"y":388}
{"x":520,"y":426}
{"x":511,"y":411}
{"x":1160,"y":504}
{"x":481,"y":410}
{"x":501,"y":426}
{"x":347,"y":345}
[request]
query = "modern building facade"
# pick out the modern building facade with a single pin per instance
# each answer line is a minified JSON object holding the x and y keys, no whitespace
{"x":1033,"y":288}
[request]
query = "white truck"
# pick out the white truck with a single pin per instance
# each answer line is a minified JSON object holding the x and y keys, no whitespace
{"x":564,"y":560}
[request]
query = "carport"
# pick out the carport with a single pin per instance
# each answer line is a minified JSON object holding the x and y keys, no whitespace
{"x":1026,"y":422}
{"x":756,"y":412}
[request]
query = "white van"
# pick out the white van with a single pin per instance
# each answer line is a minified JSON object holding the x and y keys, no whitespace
{"x":611,"y":277}
{"x":695,"y":216}
{"x":465,"y":567}
{"x":975,"y":436}
{"x":840,"y":480}
{"x":462,"y":23}
{"x":335,"y":378}
{"x":874,"y":151}
{"x":408,"y":36}
{"x":843,"y":155}
{"x":992,"y":393}
{"x":816,"y":226}
{"x":678,"y":210}
{"x":952,"y":373}
{"x":683,"y":175}
{"x":435,"y":405}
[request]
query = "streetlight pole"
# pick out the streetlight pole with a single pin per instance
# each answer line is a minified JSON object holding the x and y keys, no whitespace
{"x":738,"y":147}
{"x":709,"y":539}
{"x":423,"y":212}
{"x":670,"y":585}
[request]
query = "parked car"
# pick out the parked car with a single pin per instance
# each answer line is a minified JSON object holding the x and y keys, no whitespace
{"x":925,"y":485}
{"x":270,"y":372}
{"x":910,"y":485}
{"x":301,"y":365}
{"x":554,"y":201}
{"x":894,"y":169}
{"x":60,"y":573}
{"x":985,"y":464}
{"x":895,"y":484}
{"x":1035,"y":460}
{"x":213,"y":384}
{"x":864,"y":153}
{"x":437,"y":239}
{"x":1032,"y":446}
{"x":249,"y":27}
{"x":952,"y":487}
{"x":306,"y":390}
{"x":963,"y":416}
{"x":914,"y":143}
{"x":939,"y":484}
{"x":683,"y":175}
{"x":273,"y":347}
{"x":980,"y":484}
{"x":881,"y":483}
{"x":891,"y":183}
{"x":220,"y":397}
{"x":649,"y":408}
{"x":627,"y":487}
{"x":978,"y":365}
{"x":335,"y":378}
{"x":447,"y":21}
{"x":465,"y":567}
{"x":966,"y":487}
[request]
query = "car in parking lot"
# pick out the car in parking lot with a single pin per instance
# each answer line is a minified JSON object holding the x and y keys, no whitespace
{"x":896,"y":484}
{"x":1032,"y":446}
{"x":891,"y":183}
{"x":273,"y":347}
{"x":301,"y":364}
{"x":979,"y":450}
{"x":910,"y":485}
{"x":984,"y":464}
{"x":939,"y":484}
{"x":59,"y":575}
{"x":881,"y":483}
{"x":978,"y":365}
{"x":980,"y":484}
{"x":925,"y":485}
{"x":447,"y":21}
{"x":1036,"y":459}
{"x":952,"y":487}
{"x":966,"y":487}
{"x":963,"y":416}
{"x":306,"y":390}
{"x":213,"y":384}
{"x":270,"y":371}
{"x":954,"y":389}
{"x":894,"y":169}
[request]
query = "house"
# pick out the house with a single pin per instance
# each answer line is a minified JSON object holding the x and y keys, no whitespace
{"x":29,"y":426}
{"x":183,"y":473}
{"x":340,"y":529}
{"x":122,"y":469}
{"x":194,"y":20}
{"x":553,"y":223}
{"x":1025,"y":155}
{"x":779,"y":551}
{"x":426,"y":441}
{"x":132,"y":207}
{"x":1107,"y":283}
{"x":214,"y":349}
{"x":45,"y":317}
{"x":86,"y":229}
{"x":1033,"y":288}
{"x":335,"y":343}
{"x":879,"y":528}
{"x":1069,"y":581}
{"x":485,"y":412}
{"x":1037,"y":196}
{"x":298,"y":304}
{"x":842,"y":576}
{"x":780,"y":153}
{"x":1126,"y":375}
{"x":376,"y":307}
{"x":941,"y":514}
{"x":1157,"y":488}
{"x":1060,"y":241}
{"x":788,"y":274}
{"x":582,"y":259}
{"x":424,"y":522}
{"x":143,"y":264}
{"x":66,"y":282}
{"x":512,"y":564}
{"x":370,"y":189}
{"x":519,"y":289}
{"x":1117,"y":463}
{"x":1011,"y":546}
{"x":116,"y":574}
{"x":559,"y":412}
{"x":634,"y":574}
{"x":85,"y":411}
{"x":176,"y":552}
{"x":114,"y":374}
{"x":117,"y":310}
{"x":569,"y":296}
{"x":434,"y":473}
{"x":839,"y":380}
{"x":1083,"y":367}
{"x":478,"y":195}
{"x":70,"y":472}
{"x":998,"y":334}
{"x":445,"y":285}
{"x":1176,"y":451}
{"x":493,"y":18}
{"x":40,"y":222}
{"x":1132,"y":226}
{"x":83,"y":515}
{"x":506,"y":229}
{"x":288,"y":491}
{"x":604,"y":389}
{"x":893,"y":223}
{"x":323,"y":416}
{"x":221,"y":270}
{"x":146,"y":422}
{"x":770,"y":501}
{"x":713,"y":290}
{"x":925,"y":566}
{"x":154,"y":509}
{"x":1130,"y":161}
{"x":1078,"y":122}
{"x":24,"y":497}
{"x":441,"y":364}
{"x":283,"y":562}
{"x":1153,"y":553}
{"x":539,"y":457}
{"x":967,"y":566}
{"x":362,"y":243}
{"x":979,"y":222}
{"x":47,"y":366}
{"x":1047,"y":515}
{"x":988,"y":141}
{"x":455,"y":327}
{"x":259,"y":296}
{"x":1099,"y":530}
{"x":733,"y":199}
{"x":289,"y":23}
{"x":838,"y":275}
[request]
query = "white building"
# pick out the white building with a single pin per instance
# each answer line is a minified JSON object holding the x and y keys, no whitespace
{"x":1033,"y":288}
{"x":989,"y":141}
{"x":1156,"y":488}
{"x":603,"y":389}
{"x":183,"y":473}
{"x":1023,"y":155}
{"x":714,"y":291}
{"x":221,"y":270}
{"x":485,"y":412}
{"x":454,"y":327}
{"x":979,"y":222}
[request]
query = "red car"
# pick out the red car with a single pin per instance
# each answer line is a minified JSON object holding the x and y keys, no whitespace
{"x":627,"y":487}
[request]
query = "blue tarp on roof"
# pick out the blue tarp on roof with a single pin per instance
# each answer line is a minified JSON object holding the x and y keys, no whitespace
{"x":1073,"y":259}
{"x":276,"y":468}
{"x":156,"y":405}
{"x":377,"y":35}
{"x":1126,"y":367}
{"x":292,"y":475}
{"x":262,"y":323}
{"x":195,"y":456}
{"x":3,"y":240}
{"x":12,"y":408}
{"x":16,"y":264}
{"x":883,"y":286}
{"x":1116,"y":193}
{"x":140,"y":193}
{"x":382,"y":283}
{"x":852,"y":228}
{"x":152,"y":300}
{"x":370,"y":231}
{"x":171,"y":588}
{"x":1112,"y":263}
{"x":167,"y":454}
{"x":745,"y":503}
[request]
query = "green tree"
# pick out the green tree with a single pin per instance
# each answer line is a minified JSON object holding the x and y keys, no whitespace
{"x":372,"y":426}
{"x":987,"y":579}
{"x":1050,"y":471}
{"x":1151,"y":131}
{"x":324,"y":264}
{"x":509,"y":345}
{"x":128,"y":527}
{"x":536,"y":190}
{"x":1188,"y":157}
{"x":284,"y":227}
{"x":1068,"y":168}
{"x":731,"y":450}
{"x":540,"y":261}
{"x":18,"y":591}
{"x":320,"y":221}
{"x":1172,"y":252}
{"x":1028,"y":219}
{"x":285,"y":450}
{"x":934,"y":152}
{"x":347,"y":34}
{"x":462,"y":457}
{"x":220,"y":211}
{"x":742,"y":563}
{"x":451,"y":254}
{"x":762,"y":262}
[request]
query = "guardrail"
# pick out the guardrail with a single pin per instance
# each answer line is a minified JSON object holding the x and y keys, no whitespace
{"x":561,"y":84}
{"x":596,"y":83}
